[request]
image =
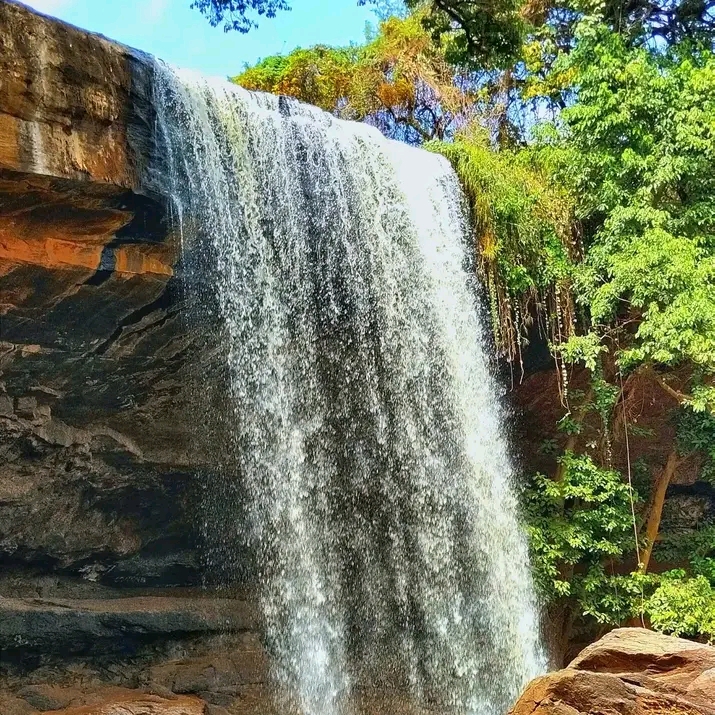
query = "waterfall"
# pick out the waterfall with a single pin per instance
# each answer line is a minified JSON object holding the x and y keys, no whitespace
{"x":364,"y":424}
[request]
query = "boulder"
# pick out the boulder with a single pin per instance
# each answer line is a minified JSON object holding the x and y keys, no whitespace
{"x":630,"y":671}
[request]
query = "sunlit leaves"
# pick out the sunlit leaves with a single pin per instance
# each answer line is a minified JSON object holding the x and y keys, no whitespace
{"x":637,"y":151}
{"x":683,"y":606}
{"x":576,"y":524}
{"x":319,"y":75}
{"x":584,"y":349}
{"x":522,"y":228}
{"x":398,"y":81}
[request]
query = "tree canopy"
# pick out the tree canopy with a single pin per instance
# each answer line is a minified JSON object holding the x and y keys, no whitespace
{"x":238,"y":14}
{"x":398,"y":81}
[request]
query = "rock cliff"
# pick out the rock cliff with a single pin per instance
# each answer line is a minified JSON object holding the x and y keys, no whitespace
{"x":100,"y":471}
{"x":630,"y":671}
{"x":97,"y":466}
{"x":99,"y":474}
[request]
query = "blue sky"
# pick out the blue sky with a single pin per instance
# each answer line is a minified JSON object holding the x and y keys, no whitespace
{"x":183,"y":37}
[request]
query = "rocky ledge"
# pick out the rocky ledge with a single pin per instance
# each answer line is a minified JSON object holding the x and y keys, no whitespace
{"x":100,"y":475}
{"x":181,"y":654}
{"x":630,"y":671}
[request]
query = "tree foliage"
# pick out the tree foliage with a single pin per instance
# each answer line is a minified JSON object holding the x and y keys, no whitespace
{"x":522,"y":233}
{"x":238,"y":14}
{"x":683,"y":606}
{"x":638,"y":149}
{"x":492,"y":34}
{"x":579,"y":526}
{"x":477,"y":34}
{"x":635,"y":151}
{"x":399,"y":81}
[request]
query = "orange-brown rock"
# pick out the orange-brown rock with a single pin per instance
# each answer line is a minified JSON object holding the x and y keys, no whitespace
{"x":219,"y":671}
{"x":630,"y":671}
{"x":139,"y":704}
{"x":75,"y":139}
{"x":95,"y":358}
{"x":71,"y":102}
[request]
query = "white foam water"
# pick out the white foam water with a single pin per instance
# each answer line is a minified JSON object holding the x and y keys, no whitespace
{"x":365,"y":423}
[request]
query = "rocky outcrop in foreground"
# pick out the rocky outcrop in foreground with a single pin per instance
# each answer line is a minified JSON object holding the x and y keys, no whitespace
{"x":630,"y":671}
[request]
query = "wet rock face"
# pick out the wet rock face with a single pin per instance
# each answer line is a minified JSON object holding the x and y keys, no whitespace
{"x":103,"y":375}
{"x":104,"y":627}
{"x":630,"y":671}
{"x":184,"y":646}
{"x":97,"y":361}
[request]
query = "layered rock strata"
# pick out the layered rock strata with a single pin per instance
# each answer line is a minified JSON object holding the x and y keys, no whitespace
{"x":95,"y":356}
{"x":630,"y":671}
{"x":100,"y":477}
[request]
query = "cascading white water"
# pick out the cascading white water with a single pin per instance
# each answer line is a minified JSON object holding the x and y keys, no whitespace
{"x":364,"y":421}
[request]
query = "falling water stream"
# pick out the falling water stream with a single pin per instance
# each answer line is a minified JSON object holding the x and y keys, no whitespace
{"x":364,"y":422}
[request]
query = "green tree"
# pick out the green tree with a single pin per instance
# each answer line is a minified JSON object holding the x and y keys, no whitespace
{"x":636,"y":150}
{"x":238,"y":14}
{"x":398,"y":81}
{"x":622,"y":262}
{"x":491,"y":33}
{"x":477,"y":34}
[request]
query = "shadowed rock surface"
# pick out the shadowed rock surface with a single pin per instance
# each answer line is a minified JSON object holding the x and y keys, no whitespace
{"x":66,"y":627}
{"x":98,"y":468}
{"x":630,"y":671}
{"x":100,"y":476}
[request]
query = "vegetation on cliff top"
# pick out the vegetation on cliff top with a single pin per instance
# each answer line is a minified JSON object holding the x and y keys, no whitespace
{"x":584,"y":137}
{"x":398,"y":81}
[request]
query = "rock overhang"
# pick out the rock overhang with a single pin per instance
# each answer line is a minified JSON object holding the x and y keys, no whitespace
{"x":86,"y":254}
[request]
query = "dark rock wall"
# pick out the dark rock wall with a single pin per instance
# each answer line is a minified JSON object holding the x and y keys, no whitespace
{"x":105,"y":376}
{"x":98,"y":364}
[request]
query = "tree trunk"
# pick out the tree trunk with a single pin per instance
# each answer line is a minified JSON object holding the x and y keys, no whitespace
{"x":655,"y":510}
{"x":571,"y":442}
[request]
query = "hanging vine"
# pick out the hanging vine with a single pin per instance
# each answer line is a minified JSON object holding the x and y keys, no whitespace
{"x":524,"y":240}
